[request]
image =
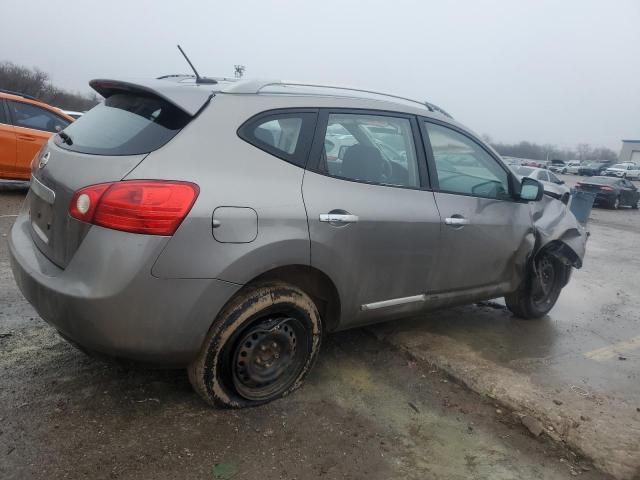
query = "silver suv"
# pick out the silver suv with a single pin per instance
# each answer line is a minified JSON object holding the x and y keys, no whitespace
{"x":227,"y":227}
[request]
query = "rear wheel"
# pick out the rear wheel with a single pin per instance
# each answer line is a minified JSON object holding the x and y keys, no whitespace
{"x":538,"y":293}
{"x":259,"y":349}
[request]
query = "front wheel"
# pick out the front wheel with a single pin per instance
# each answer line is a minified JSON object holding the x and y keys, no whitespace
{"x":540,"y":291}
{"x":259,"y":349}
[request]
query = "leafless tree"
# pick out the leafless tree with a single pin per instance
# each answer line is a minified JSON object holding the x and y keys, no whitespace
{"x":36,"y":83}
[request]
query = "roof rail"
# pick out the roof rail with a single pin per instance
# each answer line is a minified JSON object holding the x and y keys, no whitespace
{"x":255,"y":86}
{"x":179,"y":77}
{"x":18,"y":94}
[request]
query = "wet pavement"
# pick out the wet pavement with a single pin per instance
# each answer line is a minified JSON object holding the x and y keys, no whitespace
{"x":367,"y":411}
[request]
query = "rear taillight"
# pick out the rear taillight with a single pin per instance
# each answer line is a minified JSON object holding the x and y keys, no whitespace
{"x":606,"y":189}
{"x":152,"y":207}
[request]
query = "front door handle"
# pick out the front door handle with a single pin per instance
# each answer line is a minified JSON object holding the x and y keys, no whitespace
{"x":27,"y":138}
{"x":456,"y":221}
{"x":338,"y":218}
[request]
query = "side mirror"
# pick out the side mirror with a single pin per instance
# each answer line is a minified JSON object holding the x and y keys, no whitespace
{"x":560,"y":182}
{"x":341,"y":152}
{"x":531,"y":190}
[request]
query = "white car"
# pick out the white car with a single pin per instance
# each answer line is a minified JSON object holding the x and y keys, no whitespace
{"x":623,"y":170}
{"x":553,"y":186}
{"x":573,"y":167}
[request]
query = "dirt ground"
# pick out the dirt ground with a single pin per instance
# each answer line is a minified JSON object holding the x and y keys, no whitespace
{"x":368,"y":410}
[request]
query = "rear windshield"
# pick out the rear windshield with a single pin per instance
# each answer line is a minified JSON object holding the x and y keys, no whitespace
{"x":124,"y":124}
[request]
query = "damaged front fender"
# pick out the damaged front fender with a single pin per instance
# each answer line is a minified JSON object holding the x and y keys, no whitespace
{"x":558,"y":232}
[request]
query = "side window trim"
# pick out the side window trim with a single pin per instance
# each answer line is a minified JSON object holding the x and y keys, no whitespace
{"x":431,"y":163}
{"x":300,"y":156}
{"x":315,"y":156}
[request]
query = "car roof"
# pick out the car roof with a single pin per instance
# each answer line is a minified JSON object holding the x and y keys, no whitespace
{"x":184,"y":92}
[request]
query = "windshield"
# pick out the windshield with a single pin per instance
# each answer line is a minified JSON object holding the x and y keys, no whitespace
{"x":124,"y":124}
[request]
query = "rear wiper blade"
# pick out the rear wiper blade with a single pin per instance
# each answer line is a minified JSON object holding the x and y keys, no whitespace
{"x":65,"y":138}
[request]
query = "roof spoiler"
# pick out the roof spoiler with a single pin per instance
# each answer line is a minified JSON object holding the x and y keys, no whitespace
{"x":189,"y":100}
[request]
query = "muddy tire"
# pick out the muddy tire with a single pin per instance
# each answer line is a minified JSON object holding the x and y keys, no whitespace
{"x":260,"y":347}
{"x":540,"y":291}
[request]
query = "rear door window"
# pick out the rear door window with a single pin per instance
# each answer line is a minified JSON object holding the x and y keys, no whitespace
{"x":31,"y":116}
{"x":553,"y":178}
{"x":283,"y":134}
{"x":370,"y":148}
{"x":125,"y":124}
{"x":543,"y":176}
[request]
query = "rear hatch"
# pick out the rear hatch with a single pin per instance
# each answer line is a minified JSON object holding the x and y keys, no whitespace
{"x":104,"y":145}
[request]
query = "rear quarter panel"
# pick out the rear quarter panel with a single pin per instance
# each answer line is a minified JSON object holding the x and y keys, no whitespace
{"x":230,"y":173}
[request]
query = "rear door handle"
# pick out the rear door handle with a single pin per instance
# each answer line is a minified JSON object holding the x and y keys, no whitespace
{"x":338,"y":218}
{"x":456,"y":221}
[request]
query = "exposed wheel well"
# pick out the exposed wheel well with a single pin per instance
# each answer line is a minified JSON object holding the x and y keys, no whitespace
{"x":564,"y":254}
{"x":315,"y":283}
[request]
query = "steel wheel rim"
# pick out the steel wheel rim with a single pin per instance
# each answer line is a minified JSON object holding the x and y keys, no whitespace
{"x":268,"y":356}
{"x":544,"y":281}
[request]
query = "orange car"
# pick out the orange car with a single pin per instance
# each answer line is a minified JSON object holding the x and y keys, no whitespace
{"x":25,"y":125}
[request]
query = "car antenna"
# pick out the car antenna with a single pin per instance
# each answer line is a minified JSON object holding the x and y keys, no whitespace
{"x":199,"y":79}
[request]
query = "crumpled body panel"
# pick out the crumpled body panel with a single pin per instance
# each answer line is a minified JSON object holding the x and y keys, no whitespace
{"x":556,"y":227}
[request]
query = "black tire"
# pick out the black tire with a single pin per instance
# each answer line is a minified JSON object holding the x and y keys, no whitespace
{"x":635,"y":205}
{"x":260,"y":347}
{"x":533,"y":300}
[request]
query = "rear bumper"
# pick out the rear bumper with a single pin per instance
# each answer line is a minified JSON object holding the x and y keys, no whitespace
{"x":107,"y":300}
{"x":605,"y":198}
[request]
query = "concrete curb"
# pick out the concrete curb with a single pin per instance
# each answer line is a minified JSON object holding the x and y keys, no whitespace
{"x":570,"y":415}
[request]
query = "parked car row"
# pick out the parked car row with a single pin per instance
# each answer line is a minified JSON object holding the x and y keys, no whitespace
{"x":602,"y":167}
{"x":624,"y":170}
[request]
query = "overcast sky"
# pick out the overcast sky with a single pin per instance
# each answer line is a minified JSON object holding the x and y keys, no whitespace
{"x":560,"y":72}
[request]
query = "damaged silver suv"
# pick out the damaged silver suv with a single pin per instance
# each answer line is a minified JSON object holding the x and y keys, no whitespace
{"x":226,"y":227}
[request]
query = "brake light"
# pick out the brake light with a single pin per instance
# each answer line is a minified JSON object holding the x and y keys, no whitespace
{"x":607,"y":189}
{"x":151,"y":207}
